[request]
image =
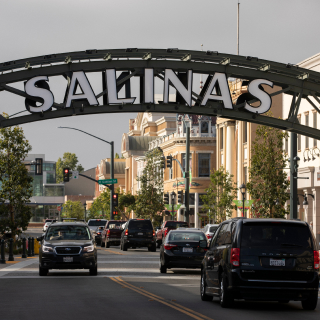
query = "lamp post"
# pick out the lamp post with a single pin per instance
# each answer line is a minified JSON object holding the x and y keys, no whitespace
{"x":243,"y":192}
{"x":85,"y":212}
{"x":173,"y":196}
{"x":111,"y":164}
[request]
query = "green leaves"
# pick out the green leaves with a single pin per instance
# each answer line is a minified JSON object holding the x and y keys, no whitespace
{"x":73,"y":209}
{"x":15,"y":182}
{"x":100,"y":207}
{"x":219,"y":196}
{"x":69,"y":160}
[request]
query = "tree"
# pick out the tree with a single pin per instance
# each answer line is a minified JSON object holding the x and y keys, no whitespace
{"x":69,"y":160}
{"x":268,"y":182}
{"x":117,"y":156}
{"x":15,"y":182}
{"x":219,"y":196}
{"x":73,"y":209}
{"x":100,"y":207}
{"x":149,"y":202}
{"x":127,"y":203}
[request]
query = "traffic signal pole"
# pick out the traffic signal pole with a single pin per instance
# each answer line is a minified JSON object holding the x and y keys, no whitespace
{"x":187,"y":178}
{"x":112,"y":177}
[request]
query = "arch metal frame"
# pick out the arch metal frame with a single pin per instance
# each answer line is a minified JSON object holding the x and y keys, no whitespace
{"x":298,"y":82}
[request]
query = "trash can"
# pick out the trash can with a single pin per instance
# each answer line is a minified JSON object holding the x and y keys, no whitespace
{"x":37,"y":245}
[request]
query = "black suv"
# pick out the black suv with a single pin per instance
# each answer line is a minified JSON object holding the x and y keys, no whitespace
{"x":67,"y":245}
{"x":138,"y":233}
{"x":262,"y":259}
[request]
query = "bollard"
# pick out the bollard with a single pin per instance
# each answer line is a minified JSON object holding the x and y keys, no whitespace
{"x":11,"y":258}
{"x":32,"y":246}
{"x":2,"y":260}
{"x":24,"y":248}
{"x":29,"y":247}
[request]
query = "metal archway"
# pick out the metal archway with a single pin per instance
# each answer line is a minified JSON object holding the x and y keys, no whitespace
{"x":295,"y":81}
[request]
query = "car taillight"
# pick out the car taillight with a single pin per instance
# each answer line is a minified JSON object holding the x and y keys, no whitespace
{"x":166,"y":232}
{"x":98,"y":232}
{"x":108,"y":232}
{"x":235,"y":257}
{"x":153,"y":233}
{"x":126,"y":232}
{"x":316,"y":259}
{"x":209,"y":236}
{"x":169,"y":246}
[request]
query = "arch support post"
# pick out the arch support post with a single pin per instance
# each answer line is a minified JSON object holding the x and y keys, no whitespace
{"x":293,"y":177}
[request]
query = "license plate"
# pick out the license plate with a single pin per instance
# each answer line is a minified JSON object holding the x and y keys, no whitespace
{"x":277,"y":262}
{"x":140,"y":234}
{"x":67,"y":259}
{"x":187,"y":249}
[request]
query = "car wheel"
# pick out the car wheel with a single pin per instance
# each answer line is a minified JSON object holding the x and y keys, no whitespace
{"x":94,"y":271}
{"x":108,"y":245}
{"x":311,"y":303}
{"x":121,"y":246}
{"x":226,"y":299}
{"x":203,"y":286}
{"x":124,"y":247}
{"x":42,"y":271}
{"x":102,"y":244}
{"x":163,"y":269}
{"x":158,"y":244}
{"x":154,"y":248}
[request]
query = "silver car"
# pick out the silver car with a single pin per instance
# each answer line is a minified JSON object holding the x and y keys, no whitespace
{"x":209,"y":230}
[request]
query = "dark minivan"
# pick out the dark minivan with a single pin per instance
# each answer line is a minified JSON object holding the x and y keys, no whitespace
{"x":262,"y":259}
{"x":138,"y":233}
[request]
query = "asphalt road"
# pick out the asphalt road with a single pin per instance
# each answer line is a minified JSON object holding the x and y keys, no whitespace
{"x":128,"y":286}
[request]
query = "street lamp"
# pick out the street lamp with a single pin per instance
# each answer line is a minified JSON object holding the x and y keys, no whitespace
{"x":111,"y":164}
{"x":243,"y":191}
{"x":85,"y":212}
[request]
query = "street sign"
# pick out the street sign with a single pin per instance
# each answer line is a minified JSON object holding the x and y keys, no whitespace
{"x":59,"y":208}
{"x":108,"y":181}
{"x":75,"y":174}
{"x":247,"y":204}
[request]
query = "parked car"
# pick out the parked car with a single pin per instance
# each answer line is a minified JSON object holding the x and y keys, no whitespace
{"x":209,"y":230}
{"x":111,"y":233}
{"x":95,"y":223}
{"x":166,"y":227}
{"x":138,"y":233}
{"x":183,"y":248}
{"x":262,"y":259}
{"x":67,"y":245}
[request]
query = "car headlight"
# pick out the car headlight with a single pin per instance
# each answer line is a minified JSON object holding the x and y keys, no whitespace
{"x":88,"y":249}
{"x":47,"y":249}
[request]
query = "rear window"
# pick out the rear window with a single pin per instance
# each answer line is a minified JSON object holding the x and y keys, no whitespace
{"x":140,"y":224}
{"x":97,"y":223}
{"x":213,"y":229}
{"x":173,"y":224}
{"x":186,"y":236}
{"x":115,"y":225}
{"x":275,"y":234}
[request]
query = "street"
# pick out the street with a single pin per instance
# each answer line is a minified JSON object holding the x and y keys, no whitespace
{"x":128,"y":285}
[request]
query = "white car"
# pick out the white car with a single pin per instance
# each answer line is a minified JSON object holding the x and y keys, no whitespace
{"x":46,"y":224}
{"x":209,"y":230}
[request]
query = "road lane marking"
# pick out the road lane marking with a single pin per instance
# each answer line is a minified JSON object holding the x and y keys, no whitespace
{"x":16,"y":267}
{"x":127,"y":262}
{"x":114,"y":252}
{"x":174,"y":305}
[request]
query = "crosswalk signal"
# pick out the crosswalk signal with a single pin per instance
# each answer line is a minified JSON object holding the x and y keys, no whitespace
{"x":162,"y":162}
{"x":115,"y":200}
{"x":180,"y":197}
{"x":66,"y":174}
{"x":169,"y":161}
{"x":166,"y":198}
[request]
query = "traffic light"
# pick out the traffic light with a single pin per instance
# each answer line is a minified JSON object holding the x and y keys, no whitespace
{"x":115,"y":200}
{"x":115,"y":213}
{"x":66,"y":172}
{"x":180,"y":196}
{"x":162,"y":162}
{"x":169,"y":161}
{"x":166,"y":198}
{"x":38,"y":167}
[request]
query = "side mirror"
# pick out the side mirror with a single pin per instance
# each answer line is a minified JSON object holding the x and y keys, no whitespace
{"x":40,"y":238}
{"x":203,"y":244}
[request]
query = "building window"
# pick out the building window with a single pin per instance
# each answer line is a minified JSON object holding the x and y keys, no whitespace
{"x":204,"y":127}
{"x":245,"y":133}
{"x":221,"y":160}
{"x":307,"y":138}
{"x":245,"y":154}
{"x":315,"y":126}
{"x":204,"y":164}
{"x":245,"y":175}
{"x":221,"y":138}
{"x":299,"y":137}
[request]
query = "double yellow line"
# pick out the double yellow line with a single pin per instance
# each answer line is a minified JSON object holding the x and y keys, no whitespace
{"x":152,"y":297}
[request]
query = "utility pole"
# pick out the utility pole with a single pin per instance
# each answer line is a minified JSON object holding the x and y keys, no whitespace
{"x":238,"y":28}
{"x":293,"y":176}
{"x":111,"y":177}
{"x":187,"y":177}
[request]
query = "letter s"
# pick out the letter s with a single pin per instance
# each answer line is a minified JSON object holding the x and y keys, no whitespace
{"x":38,"y":87}
{"x":257,"y":91}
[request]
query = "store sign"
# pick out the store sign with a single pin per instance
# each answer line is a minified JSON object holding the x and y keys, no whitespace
{"x":215,"y":89}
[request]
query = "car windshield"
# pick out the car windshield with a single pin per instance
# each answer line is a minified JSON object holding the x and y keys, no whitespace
{"x":140,"y":224}
{"x":173,"y":224}
{"x":96,"y":223}
{"x":115,"y":225}
{"x":68,"y":233}
{"x":213,"y":229}
{"x":186,"y":236}
{"x":275,"y":234}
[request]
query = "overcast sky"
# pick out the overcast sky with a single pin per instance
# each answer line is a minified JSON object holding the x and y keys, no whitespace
{"x":279,"y":30}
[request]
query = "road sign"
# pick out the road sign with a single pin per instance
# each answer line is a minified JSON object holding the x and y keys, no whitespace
{"x":59,"y":208}
{"x":108,"y":181}
{"x":75,"y":174}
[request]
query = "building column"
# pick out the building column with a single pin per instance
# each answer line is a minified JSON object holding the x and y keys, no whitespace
{"x":230,"y":147}
{"x":196,"y":210}
{"x":314,"y":212}
{"x":178,"y":215}
{"x":240,"y":163}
